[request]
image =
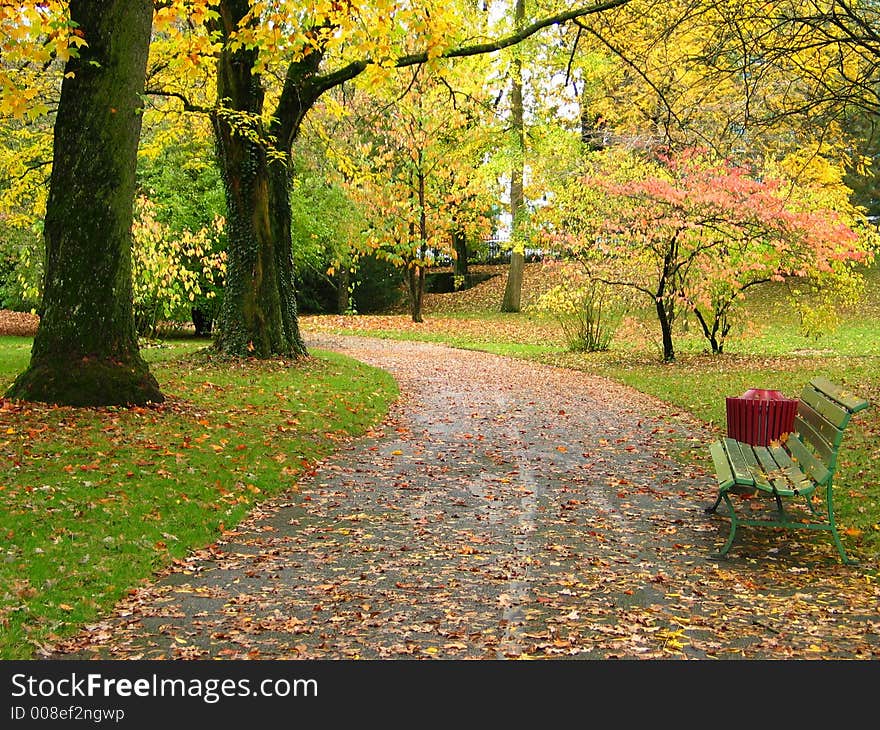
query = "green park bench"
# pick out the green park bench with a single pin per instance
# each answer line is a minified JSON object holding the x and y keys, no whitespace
{"x":799,"y":464}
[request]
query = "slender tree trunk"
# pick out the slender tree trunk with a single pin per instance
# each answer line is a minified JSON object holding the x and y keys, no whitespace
{"x":343,"y":280}
{"x":415,"y":288}
{"x":665,"y":329}
{"x":85,"y":352}
{"x":663,"y":299}
{"x":710,"y":333}
{"x":512,"y":301}
{"x":258,"y":315}
{"x":459,"y":245}
{"x":415,"y":275}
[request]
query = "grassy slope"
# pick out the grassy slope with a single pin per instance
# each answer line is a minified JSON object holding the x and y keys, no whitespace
{"x":92,"y":501}
{"x":767,"y":350}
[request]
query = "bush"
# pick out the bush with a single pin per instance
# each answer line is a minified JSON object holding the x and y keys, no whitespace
{"x":170,"y":270}
{"x":21,"y":267}
{"x":589,"y":312}
{"x":315,"y":292}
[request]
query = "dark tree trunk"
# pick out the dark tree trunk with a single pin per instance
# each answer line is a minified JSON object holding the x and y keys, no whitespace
{"x":415,"y":288}
{"x":716,"y":333}
{"x":663,"y":314}
{"x":202,"y":321}
{"x":85,"y":352}
{"x":512,"y":301}
{"x":258,"y":316}
{"x":415,"y":274}
{"x":664,"y":302}
{"x":343,"y":280}
{"x":460,"y":267}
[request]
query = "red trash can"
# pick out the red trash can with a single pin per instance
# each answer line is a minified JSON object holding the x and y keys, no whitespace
{"x":760,"y":416}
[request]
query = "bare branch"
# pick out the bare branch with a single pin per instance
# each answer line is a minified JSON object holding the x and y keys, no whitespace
{"x":188,"y":106}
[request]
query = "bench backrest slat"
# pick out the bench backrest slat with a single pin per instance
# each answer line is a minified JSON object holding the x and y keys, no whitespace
{"x":811,"y":438}
{"x":848,"y":400}
{"x":827,"y":430}
{"x":824,"y":411}
{"x":830,"y":410}
{"x":807,"y":461}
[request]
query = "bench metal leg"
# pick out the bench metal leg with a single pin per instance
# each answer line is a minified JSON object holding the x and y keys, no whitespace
{"x":833,"y":527}
{"x":733,"y":525}
{"x":779,"y":507}
{"x":710,"y":510}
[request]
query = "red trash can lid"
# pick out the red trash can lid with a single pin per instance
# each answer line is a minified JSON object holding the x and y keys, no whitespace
{"x":761,"y":394}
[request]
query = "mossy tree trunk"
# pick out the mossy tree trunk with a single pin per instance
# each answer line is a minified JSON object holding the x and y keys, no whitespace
{"x":85,"y":352}
{"x":259,"y":314}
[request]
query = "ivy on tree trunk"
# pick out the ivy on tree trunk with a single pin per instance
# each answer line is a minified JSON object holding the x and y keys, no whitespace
{"x":85,"y":352}
{"x":259,"y":314}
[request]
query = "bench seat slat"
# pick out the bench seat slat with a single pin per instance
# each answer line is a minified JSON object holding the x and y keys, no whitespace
{"x":774,"y":476}
{"x":738,"y":464}
{"x":799,"y":483}
{"x":723,"y":472}
{"x":755,"y":467}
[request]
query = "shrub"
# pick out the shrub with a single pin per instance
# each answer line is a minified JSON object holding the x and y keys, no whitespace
{"x":170,"y":271}
{"x":588,"y":311}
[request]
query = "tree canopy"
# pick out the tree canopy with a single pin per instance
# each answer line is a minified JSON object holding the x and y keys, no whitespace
{"x":783,"y":89}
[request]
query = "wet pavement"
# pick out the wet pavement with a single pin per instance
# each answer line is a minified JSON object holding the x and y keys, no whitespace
{"x":504,"y":509}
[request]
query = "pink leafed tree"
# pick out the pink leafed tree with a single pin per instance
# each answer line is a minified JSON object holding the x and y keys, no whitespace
{"x":689,"y":231}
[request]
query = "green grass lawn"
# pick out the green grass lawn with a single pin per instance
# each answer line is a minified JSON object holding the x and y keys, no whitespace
{"x":95,"y":500}
{"x":766,"y":350}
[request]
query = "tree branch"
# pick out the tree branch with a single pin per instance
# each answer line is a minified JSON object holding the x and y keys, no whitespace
{"x":346,"y":73}
{"x":188,"y":106}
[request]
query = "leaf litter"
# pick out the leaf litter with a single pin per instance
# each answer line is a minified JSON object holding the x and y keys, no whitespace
{"x":503,"y":510}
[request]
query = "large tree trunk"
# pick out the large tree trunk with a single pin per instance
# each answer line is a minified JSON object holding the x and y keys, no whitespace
{"x":512,"y":301}
{"x":258,"y":316}
{"x":85,"y":352}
